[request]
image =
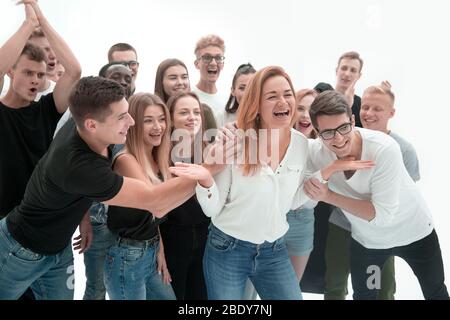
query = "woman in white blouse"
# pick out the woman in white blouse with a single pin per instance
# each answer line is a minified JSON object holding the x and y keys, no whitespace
{"x":248,"y":202}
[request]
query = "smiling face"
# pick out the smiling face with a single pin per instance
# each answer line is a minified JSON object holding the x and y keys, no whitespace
{"x":113,"y":130}
{"x":154,"y":125}
{"x":240,"y":85}
{"x":376,"y":111}
{"x":187,"y":115}
{"x":27,"y":77}
{"x":122,"y":75}
{"x":209,"y":71}
{"x":277,"y":103}
{"x":176,"y":80}
{"x":126,"y":56}
{"x":341,"y":144}
{"x":304,"y":121}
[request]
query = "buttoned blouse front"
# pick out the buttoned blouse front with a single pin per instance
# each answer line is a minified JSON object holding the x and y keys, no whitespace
{"x":253,"y":208}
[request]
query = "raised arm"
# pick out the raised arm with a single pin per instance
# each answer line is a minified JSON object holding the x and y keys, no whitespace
{"x":138,"y":192}
{"x":11,"y":50}
{"x":65,"y":56}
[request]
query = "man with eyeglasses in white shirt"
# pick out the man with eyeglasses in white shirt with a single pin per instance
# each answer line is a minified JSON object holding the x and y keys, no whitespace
{"x":387,"y":213}
{"x":209,"y":53}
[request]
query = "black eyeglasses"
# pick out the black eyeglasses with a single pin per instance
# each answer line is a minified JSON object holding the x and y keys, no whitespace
{"x":207,"y":58}
{"x":132,"y":64}
{"x":331,"y":133}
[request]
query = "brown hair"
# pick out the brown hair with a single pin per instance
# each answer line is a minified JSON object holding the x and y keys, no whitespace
{"x":37,"y":33}
{"x":135,"y":138}
{"x":172,"y":103}
{"x":33,"y":52}
{"x":244,"y":69}
{"x":163,"y":66}
{"x":329,"y":103}
{"x":248,"y":118}
{"x":299,"y":95}
{"x":91,"y":98}
{"x":352,"y":55}
{"x":208,"y":41}
{"x":120,"y":47}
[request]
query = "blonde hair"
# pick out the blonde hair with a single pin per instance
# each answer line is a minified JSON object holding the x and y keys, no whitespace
{"x":208,"y":41}
{"x":135,"y":137}
{"x":248,"y":112}
{"x":383,"y":88}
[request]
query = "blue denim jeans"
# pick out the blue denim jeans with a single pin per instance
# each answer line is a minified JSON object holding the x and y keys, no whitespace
{"x":228,"y":263}
{"x":94,"y":261}
{"x":300,"y":235}
{"x":51,"y":277}
{"x":131,"y":273}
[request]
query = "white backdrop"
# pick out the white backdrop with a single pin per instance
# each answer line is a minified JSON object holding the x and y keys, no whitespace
{"x":404,"y":42}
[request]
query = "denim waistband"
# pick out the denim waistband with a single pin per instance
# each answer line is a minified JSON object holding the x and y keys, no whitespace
{"x":214,"y":230}
{"x":137,"y":243}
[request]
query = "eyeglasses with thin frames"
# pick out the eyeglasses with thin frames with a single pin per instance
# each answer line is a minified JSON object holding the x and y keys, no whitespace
{"x":207,"y":58}
{"x":132,"y":64}
{"x":331,"y":133}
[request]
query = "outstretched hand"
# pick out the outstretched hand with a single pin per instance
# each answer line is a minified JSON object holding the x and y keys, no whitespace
{"x":346,"y":164}
{"x":349,"y":163}
{"x":193,"y":172}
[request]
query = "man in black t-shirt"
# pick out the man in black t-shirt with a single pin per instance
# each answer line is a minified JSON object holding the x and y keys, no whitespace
{"x":76,"y":170}
{"x":348,"y":72}
{"x":26,"y":127}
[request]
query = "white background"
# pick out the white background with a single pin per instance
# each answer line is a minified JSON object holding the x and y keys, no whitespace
{"x":405,"y":42}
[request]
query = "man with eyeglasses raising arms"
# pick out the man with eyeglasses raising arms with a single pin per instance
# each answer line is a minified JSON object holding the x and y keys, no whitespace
{"x":127,"y":55}
{"x":387,"y":213}
{"x":209,"y":53}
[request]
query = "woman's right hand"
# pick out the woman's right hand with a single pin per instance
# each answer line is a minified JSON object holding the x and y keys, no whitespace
{"x":193,"y":172}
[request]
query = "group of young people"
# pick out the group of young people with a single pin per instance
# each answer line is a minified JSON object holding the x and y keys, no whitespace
{"x":191,"y":193}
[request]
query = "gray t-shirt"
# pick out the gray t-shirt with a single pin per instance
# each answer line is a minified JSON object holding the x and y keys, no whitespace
{"x":411,"y":164}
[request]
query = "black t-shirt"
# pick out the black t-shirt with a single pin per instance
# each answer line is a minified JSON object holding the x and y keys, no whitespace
{"x":25,"y":135}
{"x":132,"y":223}
{"x":189,"y":213}
{"x":356,"y":108}
{"x":67,"y":179}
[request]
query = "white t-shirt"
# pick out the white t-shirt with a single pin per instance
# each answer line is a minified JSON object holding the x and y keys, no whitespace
{"x":254,"y":208}
{"x":401,"y":214}
{"x":216,"y":101}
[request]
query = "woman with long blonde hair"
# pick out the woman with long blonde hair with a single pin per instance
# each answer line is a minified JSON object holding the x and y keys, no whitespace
{"x":133,"y":264}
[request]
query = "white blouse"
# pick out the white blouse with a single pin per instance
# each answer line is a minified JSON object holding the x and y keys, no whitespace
{"x":254,"y":208}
